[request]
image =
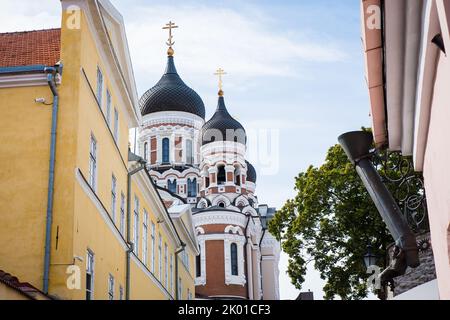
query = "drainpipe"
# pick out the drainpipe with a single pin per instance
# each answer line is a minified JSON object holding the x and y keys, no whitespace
{"x":246,"y":255}
{"x":179,"y":250}
{"x":357,"y":146}
{"x":51,"y":80}
{"x":142,"y":163}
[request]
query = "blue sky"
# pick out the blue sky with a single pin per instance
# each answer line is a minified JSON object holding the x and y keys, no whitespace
{"x":295,"y":67}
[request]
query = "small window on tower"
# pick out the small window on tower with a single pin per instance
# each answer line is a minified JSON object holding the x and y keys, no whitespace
{"x":189,"y":152}
{"x":146,"y":151}
{"x":221,"y":176}
{"x":234,"y":260}
{"x":237,"y":177}
{"x":172,"y":186}
{"x":165,"y":150}
{"x":222,"y":204}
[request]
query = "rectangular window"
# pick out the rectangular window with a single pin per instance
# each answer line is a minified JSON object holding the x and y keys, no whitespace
{"x":116,"y":125}
{"x":166,"y":265}
{"x":111,"y":287}
{"x":185,"y":258}
{"x":113,"y":198}
{"x":153,"y":247}
{"x":145,"y":238}
{"x":180,"y":289}
{"x":189,"y":295}
{"x":93,"y":163}
{"x":99,"y":86}
{"x":108,"y":107}
{"x":89,"y":275}
{"x":189,"y":152}
{"x":122,"y":213}
{"x":136,"y":226}
{"x":160,"y":257}
{"x":120,"y":293}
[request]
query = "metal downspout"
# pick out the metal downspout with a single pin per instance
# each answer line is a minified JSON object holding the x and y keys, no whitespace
{"x":130,"y":248}
{"x":51,"y":72}
{"x":181,"y":249}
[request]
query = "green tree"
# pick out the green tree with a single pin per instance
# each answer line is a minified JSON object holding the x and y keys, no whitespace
{"x":330,"y":222}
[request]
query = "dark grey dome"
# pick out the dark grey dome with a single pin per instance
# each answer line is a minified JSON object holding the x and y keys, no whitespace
{"x":171,"y":94}
{"x":251,"y":172}
{"x":223,"y":127}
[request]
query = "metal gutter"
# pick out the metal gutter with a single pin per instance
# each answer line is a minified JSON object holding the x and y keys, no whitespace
{"x":38,"y":68}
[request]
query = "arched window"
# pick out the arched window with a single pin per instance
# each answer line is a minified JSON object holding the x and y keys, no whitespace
{"x":146,"y":151}
{"x":222,"y":204}
{"x":221,"y":175}
{"x":192,"y":187}
{"x":237,"y":177}
{"x":189,"y":152}
{"x":172,"y":186}
{"x":234,"y":259}
{"x":165,"y":150}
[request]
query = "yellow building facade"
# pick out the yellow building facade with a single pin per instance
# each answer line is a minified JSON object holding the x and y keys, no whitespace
{"x":107,"y":232}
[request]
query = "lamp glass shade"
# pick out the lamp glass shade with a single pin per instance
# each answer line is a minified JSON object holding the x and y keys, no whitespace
{"x":369,"y":258}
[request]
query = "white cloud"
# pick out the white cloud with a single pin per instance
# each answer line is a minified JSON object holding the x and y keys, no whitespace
{"x":210,"y":37}
{"x":29,"y":15}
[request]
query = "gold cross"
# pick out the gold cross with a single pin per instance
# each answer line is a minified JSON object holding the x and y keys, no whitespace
{"x":170,"y":26}
{"x":220,"y":72}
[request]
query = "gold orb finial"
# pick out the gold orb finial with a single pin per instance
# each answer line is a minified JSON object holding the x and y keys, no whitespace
{"x":220,"y":72}
{"x":169,"y":26}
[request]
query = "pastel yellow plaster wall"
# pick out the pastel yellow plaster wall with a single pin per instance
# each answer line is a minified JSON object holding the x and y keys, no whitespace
{"x":24,"y":154}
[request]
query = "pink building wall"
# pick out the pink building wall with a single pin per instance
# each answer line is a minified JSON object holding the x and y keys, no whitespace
{"x":436,"y":173}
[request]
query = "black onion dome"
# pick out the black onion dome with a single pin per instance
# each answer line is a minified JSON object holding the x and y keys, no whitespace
{"x":223,"y":127}
{"x":172,"y":94}
{"x":251,"y":172}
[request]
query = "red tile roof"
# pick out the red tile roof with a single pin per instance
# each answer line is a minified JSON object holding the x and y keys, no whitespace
{"x":23,"y":287}
{"x":30,"y":48}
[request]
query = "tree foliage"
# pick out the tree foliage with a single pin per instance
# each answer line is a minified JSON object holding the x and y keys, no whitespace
{"x":330,"y":222}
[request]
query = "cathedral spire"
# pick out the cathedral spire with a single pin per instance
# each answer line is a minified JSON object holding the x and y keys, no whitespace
{"x":169,"y":26}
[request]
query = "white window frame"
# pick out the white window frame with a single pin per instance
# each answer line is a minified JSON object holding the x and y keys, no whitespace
{"x":116,"y":125}
{"x":99,"y":94}
{"x":145,"y":238}
{"x":93,"y":151}
{"x":240,"y":241}
{"x":153,"y":234}
{"x":113,"y":197}
{"x":108,"y":107}
{"x":166,"y":265}
{"x":90,"y":269}
{"x":136,"y":226}
{"x":122,"y":214}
